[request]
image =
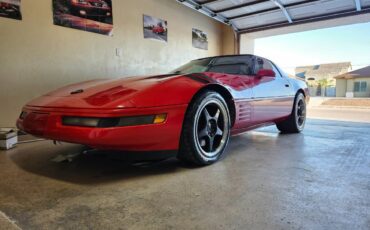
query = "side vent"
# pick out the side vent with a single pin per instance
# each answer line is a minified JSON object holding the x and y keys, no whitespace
{"x":245,"y":111}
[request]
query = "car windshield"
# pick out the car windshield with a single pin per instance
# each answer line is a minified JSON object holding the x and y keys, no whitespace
{"x":239,"y":65}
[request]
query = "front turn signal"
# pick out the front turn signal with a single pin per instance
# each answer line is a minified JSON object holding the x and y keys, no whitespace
{"x":160,"y":118}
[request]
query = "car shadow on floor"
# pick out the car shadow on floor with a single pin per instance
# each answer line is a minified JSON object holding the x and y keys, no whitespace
{"x":91,"y":168}
{"x":104,"y":167}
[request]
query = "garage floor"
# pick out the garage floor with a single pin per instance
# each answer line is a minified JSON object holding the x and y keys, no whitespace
{"x":316,"y":180}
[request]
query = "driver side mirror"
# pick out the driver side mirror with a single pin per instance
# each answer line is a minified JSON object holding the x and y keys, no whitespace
{"x":266,"y":73}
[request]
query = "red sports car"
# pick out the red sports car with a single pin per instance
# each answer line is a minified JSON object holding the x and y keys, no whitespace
{"x":192,"y":110}
{"x":90,"y":8}
{"x":158,"y":30}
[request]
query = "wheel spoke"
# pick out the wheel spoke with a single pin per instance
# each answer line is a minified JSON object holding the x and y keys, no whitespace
{"x":217,"y":115}
{"x":219,"y":132}
{"x":206,"y":114}
{"x":203,"y":133}
{"x":210,"y":142}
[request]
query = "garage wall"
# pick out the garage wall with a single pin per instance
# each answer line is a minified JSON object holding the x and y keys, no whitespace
{"x":36,"y":56}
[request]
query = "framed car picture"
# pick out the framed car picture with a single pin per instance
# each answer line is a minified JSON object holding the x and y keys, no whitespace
{"x":155,"y":28}
{"x":10,"y":9}
{"x":87,"y":15}
{"x":200,"y":39}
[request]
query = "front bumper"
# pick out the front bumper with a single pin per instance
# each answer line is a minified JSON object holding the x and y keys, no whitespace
{"x":47,"y":123}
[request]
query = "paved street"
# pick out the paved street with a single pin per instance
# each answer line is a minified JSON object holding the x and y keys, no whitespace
{"x":340,"y":114}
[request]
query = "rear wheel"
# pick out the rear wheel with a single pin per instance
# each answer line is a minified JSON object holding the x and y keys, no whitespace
{"x":206,"y":130}
{"x":297,"y":119}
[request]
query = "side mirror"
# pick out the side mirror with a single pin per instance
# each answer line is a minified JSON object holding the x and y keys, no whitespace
{"x":266,"y":73}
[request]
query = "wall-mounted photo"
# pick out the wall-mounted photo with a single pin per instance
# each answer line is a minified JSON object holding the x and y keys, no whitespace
{"x":155,"y":28}
{"x":88,"y":15}
{"x":10,"y":9}
{"x":200,"y":39}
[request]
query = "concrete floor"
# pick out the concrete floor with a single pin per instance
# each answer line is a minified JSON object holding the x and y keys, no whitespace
{"x":316,"y":180}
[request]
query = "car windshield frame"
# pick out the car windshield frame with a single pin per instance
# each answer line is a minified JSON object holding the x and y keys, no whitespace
{"x":206,"y":64}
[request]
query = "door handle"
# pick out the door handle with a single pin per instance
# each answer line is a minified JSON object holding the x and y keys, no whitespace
{"x":287,"y":85}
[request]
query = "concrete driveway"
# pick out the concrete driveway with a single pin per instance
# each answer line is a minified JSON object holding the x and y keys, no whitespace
{"x":319,"y":179}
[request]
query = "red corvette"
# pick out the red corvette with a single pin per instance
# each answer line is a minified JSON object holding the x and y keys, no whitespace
{"x":90,"y":8}
{"x":192,"y":110}
{"x":158,"y":30}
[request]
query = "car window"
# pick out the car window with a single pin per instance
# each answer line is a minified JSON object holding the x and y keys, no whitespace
{"x":232,"y":65}
{"x":238,"y":69}
{"x":196,"y":66}
{"x":262,"y":63}
{"x":277,"y":72}
{"x":238,"y":65}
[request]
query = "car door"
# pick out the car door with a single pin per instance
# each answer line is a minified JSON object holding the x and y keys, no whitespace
{"x":236,"y":72}
{"x":273,"y":96}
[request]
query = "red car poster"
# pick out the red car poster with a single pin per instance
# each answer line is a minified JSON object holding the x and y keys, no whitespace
{"x":88,"y":15}
{"x":10,"y":9}
{"x":155,"y":28}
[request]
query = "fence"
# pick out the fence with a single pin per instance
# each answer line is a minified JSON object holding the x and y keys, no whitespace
{"x":320,"y":92}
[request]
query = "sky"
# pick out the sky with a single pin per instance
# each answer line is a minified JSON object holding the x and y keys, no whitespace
{"x":337,"y":44}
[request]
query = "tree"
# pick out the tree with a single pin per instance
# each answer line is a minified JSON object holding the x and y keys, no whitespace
{"x":323,"y":83}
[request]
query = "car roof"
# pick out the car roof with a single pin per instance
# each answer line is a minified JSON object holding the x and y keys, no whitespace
{"x":232,"y":55}
{"x":235,"y":55}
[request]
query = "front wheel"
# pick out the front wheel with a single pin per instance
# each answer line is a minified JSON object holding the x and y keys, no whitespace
{"x":297,"y":119}
{"x":206,"y":130}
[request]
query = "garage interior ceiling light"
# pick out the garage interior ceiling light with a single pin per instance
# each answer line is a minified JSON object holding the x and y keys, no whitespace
{"x":247,"y":16}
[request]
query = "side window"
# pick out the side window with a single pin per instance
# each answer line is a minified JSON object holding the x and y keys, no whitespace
{"x":277,"y":73}
{"x":232,"y":65}
{"x":262,"y":63}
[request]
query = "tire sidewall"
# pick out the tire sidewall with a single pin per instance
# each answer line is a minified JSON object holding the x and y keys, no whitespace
{"x":300,"y":97}
{"x":197,"y":106}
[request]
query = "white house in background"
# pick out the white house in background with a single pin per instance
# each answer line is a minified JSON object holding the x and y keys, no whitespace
{"x":315,"y":74}
{"x":354,"y":84}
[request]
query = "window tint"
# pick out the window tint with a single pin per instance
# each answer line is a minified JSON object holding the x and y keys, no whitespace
{"x":262,"y":64}
{"x":196,"y":66}
{"x":239,"y":65}
{"x":238,"y":69}
{"x":232,"y":65}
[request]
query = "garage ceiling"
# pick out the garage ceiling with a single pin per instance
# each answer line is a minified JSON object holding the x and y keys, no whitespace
{"x":247,"y":16}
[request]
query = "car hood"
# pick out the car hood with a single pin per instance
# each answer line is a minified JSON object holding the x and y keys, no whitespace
{"x":128,"y":92}
{"x":141,"y":92}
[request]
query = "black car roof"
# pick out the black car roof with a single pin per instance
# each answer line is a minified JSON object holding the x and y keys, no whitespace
{"x":232,"y":55}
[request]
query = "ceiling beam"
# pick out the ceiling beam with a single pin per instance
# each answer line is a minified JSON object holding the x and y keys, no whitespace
{"x":271,"y":9}
{"x":305,"y":20}
{"x":207,"y":2}
{"x":358,"y":5}
{"x":205,"y":10}
{"x":285,"y":12}
{"x":241,"y":6}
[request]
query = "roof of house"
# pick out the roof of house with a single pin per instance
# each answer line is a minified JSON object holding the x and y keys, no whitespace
{"x":360,"y":73}
{"x":323,"y":70}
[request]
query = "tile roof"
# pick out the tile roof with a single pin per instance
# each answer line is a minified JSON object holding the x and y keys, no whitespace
{"x":360,"y":73}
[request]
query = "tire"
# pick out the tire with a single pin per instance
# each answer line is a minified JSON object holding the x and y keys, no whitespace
{"x":297,"y":119}
{"x":206,"y":130}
